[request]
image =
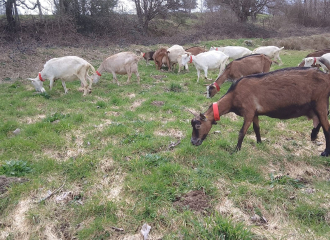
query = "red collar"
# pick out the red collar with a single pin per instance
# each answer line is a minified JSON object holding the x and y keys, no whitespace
{"x":40,"y":78}
{"x":216,"y":49}
{"x":144,"y":54}
{"x":190,"y":59}
{"x":216,"y":111}
{"x":314,"y":61}
{"x":97,"y":72}
{"x":217,"y":86}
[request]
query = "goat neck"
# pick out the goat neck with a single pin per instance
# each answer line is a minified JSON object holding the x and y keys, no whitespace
{"x":212,"y":89}
{"x":224,"y":106}
{"x":203,"y":123}
{"x":323,"y":62}
{"x":98,"y":73}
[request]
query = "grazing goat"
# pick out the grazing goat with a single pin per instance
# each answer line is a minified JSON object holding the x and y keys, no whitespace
{"x":323,"y":62}
{"x":318,"y":53}
{"x":234,"y":52}
{"x":148,"y":56}
{"x":206,"y":61}
{"x":66,"y":68}
{"x":161,"y":57}
{"x":252,"y":64}
{"x":284,"y":94}
{"x":270,"y":51}
{"x":194,"y":51}
{"x":174,"y":53}
{"x":121,"y":63}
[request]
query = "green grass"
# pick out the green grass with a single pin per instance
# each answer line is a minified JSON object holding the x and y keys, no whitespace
{"x":111,"y":149}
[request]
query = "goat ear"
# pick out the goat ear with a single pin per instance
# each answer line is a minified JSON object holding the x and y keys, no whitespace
{"x":202,"y":117}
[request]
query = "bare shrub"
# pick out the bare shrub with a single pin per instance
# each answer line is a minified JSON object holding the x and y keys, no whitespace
{"x":304,"y":42}
{"x":225,"y":24}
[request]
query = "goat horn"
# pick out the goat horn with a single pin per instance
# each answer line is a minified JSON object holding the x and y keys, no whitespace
{"x":194,"y":113}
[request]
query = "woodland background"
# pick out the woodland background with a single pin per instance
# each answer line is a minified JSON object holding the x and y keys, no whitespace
{"x":101,"y":22}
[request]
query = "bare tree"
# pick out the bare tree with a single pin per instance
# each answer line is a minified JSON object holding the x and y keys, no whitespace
{"x":243,"y":8}
{"x":147,"y":10}
{"x":12,"y":12}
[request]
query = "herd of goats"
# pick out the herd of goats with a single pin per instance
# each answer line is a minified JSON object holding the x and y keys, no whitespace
{"x":283,"y":94}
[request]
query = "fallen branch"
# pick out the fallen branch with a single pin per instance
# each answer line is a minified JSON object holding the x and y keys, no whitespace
{"x":173,"y":144}
{"x":52,"y":193}
{"x":117,"y":229}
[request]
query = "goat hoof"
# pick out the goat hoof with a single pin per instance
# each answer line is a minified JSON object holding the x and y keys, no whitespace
{"x":325,"y":153}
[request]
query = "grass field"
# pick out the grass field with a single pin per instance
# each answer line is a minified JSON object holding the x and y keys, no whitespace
{"x":121,"y":157}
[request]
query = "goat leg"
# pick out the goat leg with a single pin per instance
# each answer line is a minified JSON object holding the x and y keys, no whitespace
{"x":326,"y":130}
{"x":242,"y":133}
{"x":256,"y":128}
{"x":315,"y":131}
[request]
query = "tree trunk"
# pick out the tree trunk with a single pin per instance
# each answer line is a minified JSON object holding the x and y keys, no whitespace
{"x":39,"y":8}
{"x":9,"y":14}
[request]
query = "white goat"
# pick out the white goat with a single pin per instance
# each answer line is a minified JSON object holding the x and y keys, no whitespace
{"x":121,"y":63}
{"x":66,"y":68}
{"x":174,"y":54}
{"x":270,"y":51}
{"x":207,"y":60}
{"x":233,"y":52}
{"x":322,"y":61}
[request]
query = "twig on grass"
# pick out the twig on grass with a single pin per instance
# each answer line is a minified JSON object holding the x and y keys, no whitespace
{"x":173,"y":144}
{"x":52,"y":193}
{"x":117,"y":229}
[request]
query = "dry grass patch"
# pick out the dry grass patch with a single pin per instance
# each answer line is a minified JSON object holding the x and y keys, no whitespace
{"x":171,"y":133}
{"x":112,"y":181}
{"x":30,"y":120}
{"x":72,"y":149}
{"x":16,"y":224}
{"x":136,"y":104}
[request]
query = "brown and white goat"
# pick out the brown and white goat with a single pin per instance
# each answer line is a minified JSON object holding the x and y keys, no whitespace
{"x":148,"y":56}
{"x":318,"y":53}
{"x":283,"y":94}
{"x":252,"y":64}
{"x":161,"y":57}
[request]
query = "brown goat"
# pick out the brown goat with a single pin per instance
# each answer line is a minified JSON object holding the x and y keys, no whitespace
{"x":195,"y":50}
{"x":161,"y":57}
{"x":252,"y":64}
{"x":148,"y":56}
{"x":318,"y":53}
{"x":284,"y":94}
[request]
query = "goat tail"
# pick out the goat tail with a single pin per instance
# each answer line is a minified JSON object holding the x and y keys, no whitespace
{"x":92,"y":69}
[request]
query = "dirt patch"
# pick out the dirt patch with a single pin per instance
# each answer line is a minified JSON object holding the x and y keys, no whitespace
{"x":5,"y":182}
{"x":136,"y":104}
{"x":158,"y":77}
{"x":158,"y":103}
{"x":196,"y":201}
